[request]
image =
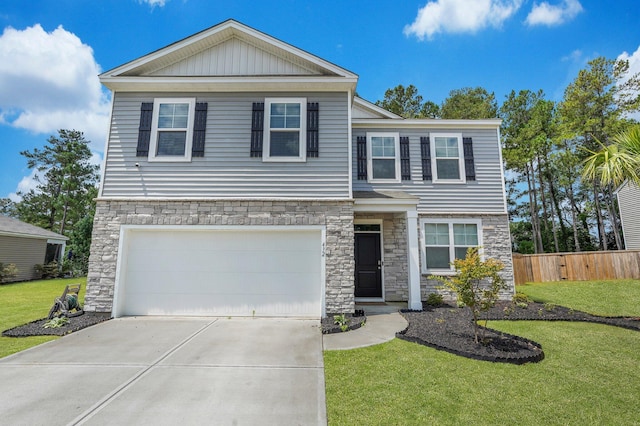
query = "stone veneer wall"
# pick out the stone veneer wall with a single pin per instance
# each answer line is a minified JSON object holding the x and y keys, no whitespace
{"x":337,"y":216}
{"x":496,"y":242}
{"x":394,"y":241}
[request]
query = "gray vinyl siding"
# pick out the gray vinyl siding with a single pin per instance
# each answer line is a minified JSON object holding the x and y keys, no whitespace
{"x":484,"y":195}
{"x":227,"y":170}
{"x":629,"y":205}
{"x":25,"y":253}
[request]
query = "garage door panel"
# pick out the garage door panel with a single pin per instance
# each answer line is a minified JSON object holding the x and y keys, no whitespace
{"x":214,"y":272}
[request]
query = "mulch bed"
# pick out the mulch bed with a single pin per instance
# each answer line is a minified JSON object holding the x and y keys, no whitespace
{"x":450,"y":329}
{"x":36,"y":328}
{"x":354,"y":321}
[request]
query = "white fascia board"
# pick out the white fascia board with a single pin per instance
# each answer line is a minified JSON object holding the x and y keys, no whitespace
{"x":231,"y":198}
{"x":229,"y":84}
{"x":426,"y":124}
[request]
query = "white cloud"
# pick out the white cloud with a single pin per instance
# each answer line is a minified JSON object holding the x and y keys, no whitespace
{"x":575,"y":56}
{"x":26,"y":184}
{"x":154,"y":3}
{"x":460,"y":16}
{"x":547,"y":14}
{"x":49,"y":81}
{"x":634,"y":68}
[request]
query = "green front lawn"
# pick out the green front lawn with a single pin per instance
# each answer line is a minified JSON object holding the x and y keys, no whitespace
{"x":24,"y":302}
{"x":590,"y":374}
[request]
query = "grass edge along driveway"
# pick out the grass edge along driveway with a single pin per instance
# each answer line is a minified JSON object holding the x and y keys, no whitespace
{"x":28,"y":301}
{"x":590,"y":374}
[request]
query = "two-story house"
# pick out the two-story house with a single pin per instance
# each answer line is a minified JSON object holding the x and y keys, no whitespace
{"x":243,"y":176}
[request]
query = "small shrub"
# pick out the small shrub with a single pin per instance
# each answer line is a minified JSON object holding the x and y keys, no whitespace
{"x":7,"y":270}
{"x":522,"y":305}
{"x":49,"y":270}
{"x":508,"y":310}
{"x":460,"y":303}
{"x":549,"y":306}
{"x":434,"y":299}
{"x":341,"y":320}
{"x":521,"y":298}
{"x":56,"y":322}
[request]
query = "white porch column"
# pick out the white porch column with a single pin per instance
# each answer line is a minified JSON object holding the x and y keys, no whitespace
{"x":413,"y":253}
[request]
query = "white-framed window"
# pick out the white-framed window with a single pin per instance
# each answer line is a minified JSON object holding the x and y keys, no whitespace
{"x":444,"y":240}
{"x":383,"y":157}
{"x":448,"y":155}
{"x":285,"y":129}
{"x":172,"y":129}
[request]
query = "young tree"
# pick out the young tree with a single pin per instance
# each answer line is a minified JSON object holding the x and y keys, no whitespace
{"x":66,"y":186}
{"x":469,"y":103}
{"x":477,"y":284}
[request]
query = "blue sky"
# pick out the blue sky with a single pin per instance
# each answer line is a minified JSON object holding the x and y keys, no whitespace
{"x":51,"y":51}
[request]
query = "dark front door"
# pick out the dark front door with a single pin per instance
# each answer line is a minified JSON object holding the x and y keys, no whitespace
{"x":368,"y":265}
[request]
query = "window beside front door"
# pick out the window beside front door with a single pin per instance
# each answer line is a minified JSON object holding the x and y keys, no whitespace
{"x":445,"y":240}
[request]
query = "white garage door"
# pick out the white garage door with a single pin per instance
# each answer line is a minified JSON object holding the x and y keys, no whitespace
{"x":235,"y":272}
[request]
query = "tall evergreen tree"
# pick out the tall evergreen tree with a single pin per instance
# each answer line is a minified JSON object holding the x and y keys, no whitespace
{"x":66,"y":183}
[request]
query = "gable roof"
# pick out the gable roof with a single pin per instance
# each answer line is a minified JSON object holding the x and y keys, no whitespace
{"x":229,"y":56}
{"x":365,"y":109}
{"x":17,"y":228}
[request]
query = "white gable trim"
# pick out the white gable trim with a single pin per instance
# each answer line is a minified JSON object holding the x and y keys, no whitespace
{"x":362,"y":107}
{"x":215,"y":35}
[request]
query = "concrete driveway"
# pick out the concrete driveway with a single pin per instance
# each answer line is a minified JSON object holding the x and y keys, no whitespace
{"x":153,"y":371}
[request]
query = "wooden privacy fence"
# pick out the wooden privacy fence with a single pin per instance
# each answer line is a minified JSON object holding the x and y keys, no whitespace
{"x":582,"y":266}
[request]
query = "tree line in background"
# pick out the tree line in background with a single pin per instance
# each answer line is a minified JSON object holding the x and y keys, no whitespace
{"x":564,"y":159}
{"x":63,"y":199}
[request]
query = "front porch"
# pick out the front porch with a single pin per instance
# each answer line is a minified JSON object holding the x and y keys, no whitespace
{"x":386,"y":250}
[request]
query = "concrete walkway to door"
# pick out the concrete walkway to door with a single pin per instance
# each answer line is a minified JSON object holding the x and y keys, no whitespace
{"x":160,"y":371}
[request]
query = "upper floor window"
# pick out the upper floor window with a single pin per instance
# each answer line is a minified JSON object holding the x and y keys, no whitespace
{"x":447,"y":151}
{"x":285,"y":129}
{"x":383,"y":151}
{"x":172,"y":129}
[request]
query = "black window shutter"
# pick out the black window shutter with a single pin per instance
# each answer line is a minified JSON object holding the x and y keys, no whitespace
{"x":257,"y":129}
{"x":199,"y":129}
{"x":469,"y":165}
{"x":312,"y":129}
{"x":425,"y":150}
{"x":144,"y":131}
{"x":405,"y":163}
{"x":362,"y":157}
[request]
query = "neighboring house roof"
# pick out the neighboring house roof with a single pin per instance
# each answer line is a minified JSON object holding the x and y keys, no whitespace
{"x":229,"y":57}
{"x":14,"y":227}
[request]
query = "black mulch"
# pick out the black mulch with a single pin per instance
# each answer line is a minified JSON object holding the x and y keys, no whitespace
{"x":354,"y":321}
{"x":36,"y":328}
{"x":450,"y":329}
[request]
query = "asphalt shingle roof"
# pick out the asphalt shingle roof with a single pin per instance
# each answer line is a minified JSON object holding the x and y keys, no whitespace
{"x":11,"y":226}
